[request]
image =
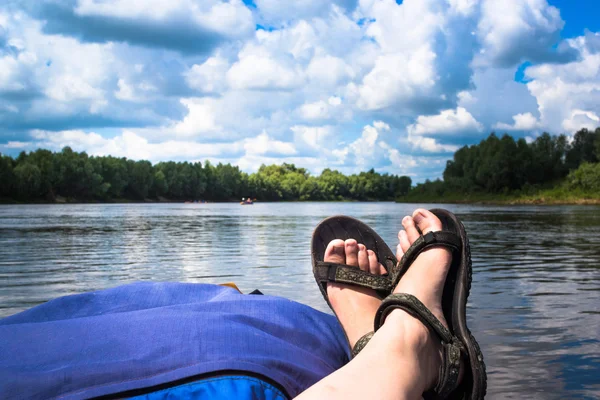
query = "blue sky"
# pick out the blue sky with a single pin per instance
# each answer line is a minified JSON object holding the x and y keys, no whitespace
{"x":346,"y":84}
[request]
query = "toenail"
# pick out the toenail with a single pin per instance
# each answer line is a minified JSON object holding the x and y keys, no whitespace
{"x":419,"y":215}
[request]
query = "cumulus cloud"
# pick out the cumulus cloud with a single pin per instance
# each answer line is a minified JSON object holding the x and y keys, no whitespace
{"x":209,"y":77}
{"x":263,"y":72}
{"x":371,"y":148}
{"x":263,"y":144}
{"x":581,"y":119}
{"x":321,"y":109}
{"x":522,"y":122}
{"x":328,"y":70}
{"x":183,"y":25}
{"x":568,"y":94}
{"x":277,"y":12}
{"x":445,"y":123}
{"x":518,"y":30}
{"x":430,"y":145}
{"x":313,"y":140}
{"x":131,"y":145}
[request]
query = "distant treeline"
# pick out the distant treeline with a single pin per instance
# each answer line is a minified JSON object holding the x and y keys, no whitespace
{"x":505,"y":165}
{"x":43,"y":175}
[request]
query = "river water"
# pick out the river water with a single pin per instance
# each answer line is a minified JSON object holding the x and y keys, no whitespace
{"x":534,"y":305}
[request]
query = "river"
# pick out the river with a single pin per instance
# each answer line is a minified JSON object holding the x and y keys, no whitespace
{"x":534,"y":305}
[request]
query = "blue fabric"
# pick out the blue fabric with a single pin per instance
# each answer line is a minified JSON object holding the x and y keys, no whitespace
{"x":146,"y":334}
{"x":221,"y":388}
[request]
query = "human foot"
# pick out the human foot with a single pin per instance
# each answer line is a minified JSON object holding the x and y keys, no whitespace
{"x":425,"y":279}
{"x":354,"y":306}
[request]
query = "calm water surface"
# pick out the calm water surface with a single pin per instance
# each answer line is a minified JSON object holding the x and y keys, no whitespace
{"x":534,"y":306}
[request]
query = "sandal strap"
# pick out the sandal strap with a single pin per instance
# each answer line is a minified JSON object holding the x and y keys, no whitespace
{"x":424,"y":242}
{"x":361,"y":343}
{"x":342,"y":273}
{"x":452,"y":347}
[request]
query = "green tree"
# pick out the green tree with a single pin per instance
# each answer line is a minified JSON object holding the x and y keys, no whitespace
{"x":141,"y":176}
{"x":29,"y":181}
{"x":160,"y":186}
{"x":7,"y":176}
{"x":582,"y":148}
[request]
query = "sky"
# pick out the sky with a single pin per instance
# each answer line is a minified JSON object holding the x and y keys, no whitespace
{"x":346,"y":84}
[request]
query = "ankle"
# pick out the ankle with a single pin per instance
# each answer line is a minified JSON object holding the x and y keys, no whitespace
{"x":408,"y":336}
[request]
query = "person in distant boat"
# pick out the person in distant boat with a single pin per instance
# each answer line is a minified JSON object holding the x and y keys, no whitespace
{"x":178,"y":340}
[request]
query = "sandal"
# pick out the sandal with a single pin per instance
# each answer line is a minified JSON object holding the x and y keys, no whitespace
{"x":457,"y":341}
{"x":343,"y":227}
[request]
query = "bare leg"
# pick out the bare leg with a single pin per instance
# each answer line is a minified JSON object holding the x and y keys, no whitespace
{"x":402,"y":359}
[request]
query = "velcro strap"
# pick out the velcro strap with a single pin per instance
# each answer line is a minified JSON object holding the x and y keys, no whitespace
{"x":351,"y":275}
{"x":424,"y":242}
{"x":414,"y":307}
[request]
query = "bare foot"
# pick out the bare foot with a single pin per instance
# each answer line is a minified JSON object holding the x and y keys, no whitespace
{"x":426,"y":277}
{"x":354,"y":306}
{"x":425,"y":280}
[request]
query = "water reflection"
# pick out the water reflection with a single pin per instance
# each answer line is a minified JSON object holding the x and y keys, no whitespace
{"x":533,"y":307}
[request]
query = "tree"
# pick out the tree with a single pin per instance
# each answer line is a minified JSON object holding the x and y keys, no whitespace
{"x":140,"y":181}
{"x":582,"y":148}
{"x":7,"y":176}
{"x":29,"y":180}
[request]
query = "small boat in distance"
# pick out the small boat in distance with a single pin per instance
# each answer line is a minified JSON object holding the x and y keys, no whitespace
{"x":246,"y":202}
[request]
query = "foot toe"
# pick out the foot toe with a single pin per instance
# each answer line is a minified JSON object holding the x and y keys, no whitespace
{"x":404,"y":242}
{"x":363,"y":258}
{"x":411,"y":229}
{"x":426,"y":221}
{"x":335,"y":252}
{"x":351,"y":252}
{"x":374,"y":266}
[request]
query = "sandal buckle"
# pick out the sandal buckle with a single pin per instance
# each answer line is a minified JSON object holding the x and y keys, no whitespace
{"x":429,"y":238}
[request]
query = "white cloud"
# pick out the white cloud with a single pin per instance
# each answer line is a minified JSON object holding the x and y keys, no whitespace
{"x":522,"y":122}
{"x":313,"y":139}
{"x":328,"y":70}
{"x":405,"y":68}
{"x":258,"y":70}
{"x":512,"y":31}
{"x":568,"y":94}
{"x":200,"y":119}
{"x":209,"y":76}
{"x":464,"y":7}
{"x":368,"y":149}
{"x":136,"y":92}
{"x":321,"y":109}
{"x":230,"y":18}
{"x":263,"y":144}
{"x":131,"y":145}
{"x":447,"y":122}
{"x":430,"y":145}
{"x":581,"y":119}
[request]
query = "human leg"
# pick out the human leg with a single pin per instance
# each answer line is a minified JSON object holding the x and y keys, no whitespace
{"x":403,"y":358}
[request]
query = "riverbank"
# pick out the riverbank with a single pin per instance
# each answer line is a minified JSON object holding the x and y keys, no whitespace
{"x":556,"y":196}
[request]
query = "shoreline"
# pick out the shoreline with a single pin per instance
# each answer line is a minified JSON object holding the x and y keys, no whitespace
{"x":534,"y":200}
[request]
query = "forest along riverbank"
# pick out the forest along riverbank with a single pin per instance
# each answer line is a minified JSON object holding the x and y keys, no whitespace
{"x":68,"y":176}
{"x":549,"y":170}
